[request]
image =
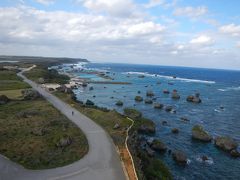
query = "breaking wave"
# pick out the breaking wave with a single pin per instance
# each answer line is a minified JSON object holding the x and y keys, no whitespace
{"x":171,"y":77}
{"x":230,"y":89}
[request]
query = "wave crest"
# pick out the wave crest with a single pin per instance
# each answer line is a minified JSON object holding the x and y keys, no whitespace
{"x":170,"y":77}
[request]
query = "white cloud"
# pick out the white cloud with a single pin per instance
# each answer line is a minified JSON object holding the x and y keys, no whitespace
{"x":231,"y":29}
{"x":153,"y":3}
{"x":112,"y":7}
{"x":46,"y":2}
{"x":163,"y":3}
{"x":105,"y":32}
{"x":202,"y":40}
{"x":238,"y":44}
{"x":192,"y":12}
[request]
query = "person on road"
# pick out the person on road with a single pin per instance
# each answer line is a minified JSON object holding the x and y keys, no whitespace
{"x":72,"y":113}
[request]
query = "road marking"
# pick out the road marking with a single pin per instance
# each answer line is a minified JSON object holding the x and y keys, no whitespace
{"x":69,"y":175}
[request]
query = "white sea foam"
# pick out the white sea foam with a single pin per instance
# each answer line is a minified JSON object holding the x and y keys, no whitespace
{"x":209,"y":161}
{"x":170,"y":77}
{"x":230,"y":89}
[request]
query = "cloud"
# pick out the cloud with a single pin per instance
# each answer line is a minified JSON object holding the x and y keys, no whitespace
{"x":231,"y":29}
{"x":45,"y":2}
{"x":107,"y":31}
{"x":113,"y":7}
{"x":238,"y":44}
{"x":154,"y":3}
{"x":192,"y":12}
{"x":202,"y":40}
{"x":163,"y":3}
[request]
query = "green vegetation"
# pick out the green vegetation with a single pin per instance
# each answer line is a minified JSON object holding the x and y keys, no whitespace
{"x":49,"y":76}
{"x":30,"y":130}
{"x":154,"y":168}
{"x":12,"y":94}
{"x":132,"y":113}
{"x":147,"y":167}
{"x":9,"y":81}
{"x":105,"y":118}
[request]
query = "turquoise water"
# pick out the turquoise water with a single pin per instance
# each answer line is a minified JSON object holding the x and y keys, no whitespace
{"x":216,"y":87}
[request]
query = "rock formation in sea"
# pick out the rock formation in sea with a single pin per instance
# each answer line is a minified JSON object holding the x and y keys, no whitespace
{"x":200,"y":134}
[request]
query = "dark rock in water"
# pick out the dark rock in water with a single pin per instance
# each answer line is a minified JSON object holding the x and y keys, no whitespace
{"x":91,"y":88}
{"x":63,"y":142}
{"x":149,"y":93}
{"x":194,"y":99}
{"x":165,"y":91}
{"x":169,"y":151}
{"x":184,"y":119}
{"x":175,"y":131}
{"x":150,"y":141}
{"x":225,"y":143}
{"x":84,"y":84}
{"x":235,"y":153}
{"x":4,"y":99}
{"x":204,"y":158}
{"x":147,"y":129}
{"x":89,"y":103}
{"x":139,"y":92}
{"x":30,"y":94}
{"x":132,"y":113}
{"x":164,"y":122}
{"x":158,"y":106}
{"x":94,"y":96}
{"x":175,"y":95}
{"x":180,"y":157}
{"x":116,"y":126}
{"x":148,"y":101}
{"x":168,"y":108}
{"x":159,"y":146}
{"x":119,"y":103}
{"x":138,"y":98}
{"x":200,"y":134}
{"x":149,"y":151}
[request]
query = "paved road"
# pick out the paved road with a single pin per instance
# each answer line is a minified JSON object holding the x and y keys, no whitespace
{"x":101,"y":162}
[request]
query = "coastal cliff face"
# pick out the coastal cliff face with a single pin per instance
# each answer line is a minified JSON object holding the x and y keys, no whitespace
{"x":142,"y":151}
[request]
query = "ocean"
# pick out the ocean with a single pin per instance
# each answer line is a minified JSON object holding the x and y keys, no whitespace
{"x":217,"y":88}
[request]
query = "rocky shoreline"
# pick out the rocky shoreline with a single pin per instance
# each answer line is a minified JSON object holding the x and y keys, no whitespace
{"x":144,"y":147}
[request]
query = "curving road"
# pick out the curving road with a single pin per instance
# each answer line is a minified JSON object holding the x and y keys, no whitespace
{"x":101,"y":163}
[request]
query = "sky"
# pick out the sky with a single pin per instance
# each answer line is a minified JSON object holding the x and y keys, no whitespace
{"x":193,"y":33}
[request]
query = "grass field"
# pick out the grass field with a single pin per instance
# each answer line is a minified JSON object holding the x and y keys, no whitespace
{"x":31,"y":130}
{"x":10,"y":81}
{"x":12,"y":94}
{"x":51,"y":76}
{"x":21,"y":141}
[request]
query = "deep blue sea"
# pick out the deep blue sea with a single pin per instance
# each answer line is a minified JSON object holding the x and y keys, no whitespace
{"x":216,"y":87}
